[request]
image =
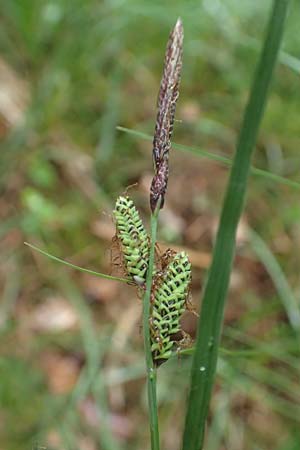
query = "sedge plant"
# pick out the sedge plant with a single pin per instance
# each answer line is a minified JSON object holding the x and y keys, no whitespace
{"x":164,"y":280}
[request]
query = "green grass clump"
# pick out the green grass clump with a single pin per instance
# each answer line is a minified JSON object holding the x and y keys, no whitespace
{"x":66,"y":161}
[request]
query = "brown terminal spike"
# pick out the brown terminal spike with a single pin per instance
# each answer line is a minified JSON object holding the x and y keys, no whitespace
{"x":159,"y":185}
{"x":167,"y":97}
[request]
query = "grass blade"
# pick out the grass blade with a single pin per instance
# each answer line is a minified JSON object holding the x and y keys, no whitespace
{"x":210,"y":321}
{"x":73,"y":266}
{"x":284,"y":291}
{"x":224,"y":160}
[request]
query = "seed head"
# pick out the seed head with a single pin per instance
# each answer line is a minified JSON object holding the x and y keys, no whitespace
{"x":133,"y":239}
{"x":166,"y":104}
{"x":169,"y":300}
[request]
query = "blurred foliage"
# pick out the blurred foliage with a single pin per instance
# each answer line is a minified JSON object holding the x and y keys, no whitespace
{"x":70,"y":72}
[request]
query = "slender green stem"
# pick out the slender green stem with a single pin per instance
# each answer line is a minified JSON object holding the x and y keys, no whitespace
{"x":215,"y":292}
{"x":73,"y":266}
{"x":151,"y":370}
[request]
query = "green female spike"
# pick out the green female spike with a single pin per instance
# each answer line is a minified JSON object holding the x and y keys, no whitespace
{"x":169,"y":302}
{"x":133,"y":239}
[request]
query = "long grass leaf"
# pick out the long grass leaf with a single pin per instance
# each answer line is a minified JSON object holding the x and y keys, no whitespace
{"x":73,"y":266}
{"x":211,"y":318}
{"x":279,"y":279}
{"x":215,"y":157}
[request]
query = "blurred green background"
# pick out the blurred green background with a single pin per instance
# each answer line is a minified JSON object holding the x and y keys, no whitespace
{"x":71,"y":359}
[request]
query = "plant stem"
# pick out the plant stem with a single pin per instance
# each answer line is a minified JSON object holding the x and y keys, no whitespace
{"x":215,"y":292}
{"x":151,"y":370}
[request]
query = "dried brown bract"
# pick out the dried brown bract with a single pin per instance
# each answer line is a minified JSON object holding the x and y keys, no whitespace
{"x":168,"y":95}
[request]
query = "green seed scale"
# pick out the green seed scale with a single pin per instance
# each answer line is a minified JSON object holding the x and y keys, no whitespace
{"x":168,"y":304}
{"x":133,"y":238}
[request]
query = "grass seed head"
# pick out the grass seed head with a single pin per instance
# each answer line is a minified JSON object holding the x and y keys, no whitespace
{"x":166,"y":105}
{"x":133,"y":239}
{"x":169,"y":300}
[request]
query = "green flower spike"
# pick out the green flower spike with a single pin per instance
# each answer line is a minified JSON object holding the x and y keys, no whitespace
{"x":133,"y":239}
{"x":169,"y":300}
